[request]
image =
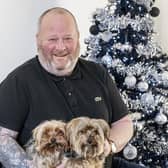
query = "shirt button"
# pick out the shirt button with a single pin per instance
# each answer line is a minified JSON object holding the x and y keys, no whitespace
{"x":69,"y":94}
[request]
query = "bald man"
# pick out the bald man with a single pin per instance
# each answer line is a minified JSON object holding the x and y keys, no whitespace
{"x":57,"y":84}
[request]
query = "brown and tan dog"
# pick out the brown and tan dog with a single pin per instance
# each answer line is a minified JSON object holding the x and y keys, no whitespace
{"x":87,"y":138}
{"x":49,"y":144}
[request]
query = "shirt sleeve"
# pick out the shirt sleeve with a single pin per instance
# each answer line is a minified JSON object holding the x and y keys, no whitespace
{"x":118,"y":107}
{"x":13,"y":103}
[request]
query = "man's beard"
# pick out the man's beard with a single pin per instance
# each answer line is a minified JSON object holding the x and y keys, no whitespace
{"x":53,"y":69}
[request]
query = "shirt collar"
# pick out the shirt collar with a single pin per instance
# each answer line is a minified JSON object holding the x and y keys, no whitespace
{"x":76,"y":74}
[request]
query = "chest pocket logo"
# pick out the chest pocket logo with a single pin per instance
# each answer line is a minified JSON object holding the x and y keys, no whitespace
{"x":98,"y":99}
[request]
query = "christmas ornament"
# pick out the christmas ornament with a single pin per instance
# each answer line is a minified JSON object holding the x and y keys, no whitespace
{"x":161,"y":118}
{"x":106,"y":36}
{"x":165,"y":108}
{"x":139,"y":125}
{"x":147,"y":99}
{"x":164,"y":76}
{"x":130,"y":152}
{"x":107,"y":60}
{"x":130,"y":81}
{"x":154,"y":12}
{"x":94,"y":29}
{"x":143,"y":86}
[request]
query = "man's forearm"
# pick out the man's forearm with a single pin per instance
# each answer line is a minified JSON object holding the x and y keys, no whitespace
{"x":121,"y":132}
{"x":11,"y":154}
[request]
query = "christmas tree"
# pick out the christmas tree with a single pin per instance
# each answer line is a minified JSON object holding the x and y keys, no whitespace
{"x":123,"y":40}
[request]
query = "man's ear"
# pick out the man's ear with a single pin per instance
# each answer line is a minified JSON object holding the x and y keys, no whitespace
{"x":38,"y":41}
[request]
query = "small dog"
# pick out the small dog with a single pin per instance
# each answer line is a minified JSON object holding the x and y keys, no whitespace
{"x":87,"y":138}
{"x":49,"y":144}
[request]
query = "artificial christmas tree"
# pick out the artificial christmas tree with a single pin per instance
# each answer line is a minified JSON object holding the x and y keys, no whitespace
{"x":122,"y":39}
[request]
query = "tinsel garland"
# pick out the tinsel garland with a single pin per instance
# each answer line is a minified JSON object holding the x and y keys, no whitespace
{"x":123,"y":40}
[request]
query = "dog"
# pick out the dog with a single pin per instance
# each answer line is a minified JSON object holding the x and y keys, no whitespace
{"x":49,"y":144}
{"x":86,"y":138}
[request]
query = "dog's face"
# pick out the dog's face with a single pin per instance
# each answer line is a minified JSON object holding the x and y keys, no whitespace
{"x":86,"y":136}
{"x":50,"y":137}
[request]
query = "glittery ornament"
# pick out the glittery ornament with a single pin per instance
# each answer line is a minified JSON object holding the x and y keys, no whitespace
{"x":147,"y":99}
{"x":130,"y":152}
{"x":143,"y":86}
{"x":161,"y":118}
{"x":154,"y":12}
{"x":130,"y":81}
{"x":106,"y":36}
{"x":107,"y":60}
{"x":139,"y":125}
{"x":165,"y":108}
{"x":94,"y":29}
{"x":112,"y":1}
{"x":164,"y":75}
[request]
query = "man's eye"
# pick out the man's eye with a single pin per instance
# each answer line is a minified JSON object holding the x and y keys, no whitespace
{"x":68,"y":38}
{"x":52,"y":39}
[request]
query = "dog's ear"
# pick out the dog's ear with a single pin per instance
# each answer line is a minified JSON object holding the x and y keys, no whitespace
{"x":104,"y":125}
{"x":35,"y":135}
{"x":70,"y":126}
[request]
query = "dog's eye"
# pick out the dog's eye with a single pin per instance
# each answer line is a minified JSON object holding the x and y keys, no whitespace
{"x":47,"y":132}
{"x":96,"y":131}
{"x":82,"y":131}
{"x":59,"y":133}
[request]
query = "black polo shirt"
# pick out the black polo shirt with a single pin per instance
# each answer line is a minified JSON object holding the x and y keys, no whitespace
{"x":30,"y":95}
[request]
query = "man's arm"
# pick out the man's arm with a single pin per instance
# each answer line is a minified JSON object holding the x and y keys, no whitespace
{"x":121,"y":132}
{"x":11,"y":154}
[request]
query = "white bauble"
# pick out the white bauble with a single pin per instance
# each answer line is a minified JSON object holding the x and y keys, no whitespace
{"x":143,"y":86}
{"x":107,"y":60}
{"x":147,"y":99}
{"x":161,"y":118}
{"x":130,"y":81}
{"x":130,"y":152}
{"x":106,"y":36}
{"x":164,"y":75}
{"x":165,"y":108}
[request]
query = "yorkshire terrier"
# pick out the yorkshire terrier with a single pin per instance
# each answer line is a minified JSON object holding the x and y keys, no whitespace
{"x":49,"y":144}
{"x":87,"y":138}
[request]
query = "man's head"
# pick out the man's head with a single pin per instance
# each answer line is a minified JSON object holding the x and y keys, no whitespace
{"x":58,"y":41}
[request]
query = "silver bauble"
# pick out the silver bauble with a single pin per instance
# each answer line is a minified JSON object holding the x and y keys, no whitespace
{"x":107,"y":60}
{"x":106,"y":36}
{"x":112,"y":1}
{"x":147,"y":99}
{"x":139,"y":125}
{"x":165,"y":108}
{"x":161,"y":118}
{"x":130,"y":81}
{"x":130,"y":152}
{"x":164,"y":75}
{"x":143,"y":86}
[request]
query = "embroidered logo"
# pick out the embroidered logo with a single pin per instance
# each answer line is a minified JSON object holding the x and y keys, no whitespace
{"x":98,"y":98}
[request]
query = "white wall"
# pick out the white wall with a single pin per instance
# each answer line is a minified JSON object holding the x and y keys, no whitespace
{"x":18,"y":21}
{"x":161,"y":24}
{"x":17,"y":29}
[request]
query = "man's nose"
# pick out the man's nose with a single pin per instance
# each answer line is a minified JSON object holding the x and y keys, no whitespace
{"x":60,"y":45}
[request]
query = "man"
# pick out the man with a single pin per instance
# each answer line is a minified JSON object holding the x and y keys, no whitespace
{"x":57,"y":84}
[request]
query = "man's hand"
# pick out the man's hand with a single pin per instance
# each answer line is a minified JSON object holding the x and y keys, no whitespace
{"x":107,"y":148}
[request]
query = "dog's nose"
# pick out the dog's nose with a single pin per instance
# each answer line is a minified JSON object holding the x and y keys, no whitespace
{"x":53,"y":140}
{"x":90,"y":140}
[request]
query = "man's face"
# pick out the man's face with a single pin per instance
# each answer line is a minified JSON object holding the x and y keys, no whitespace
{"x":58,"y":43}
